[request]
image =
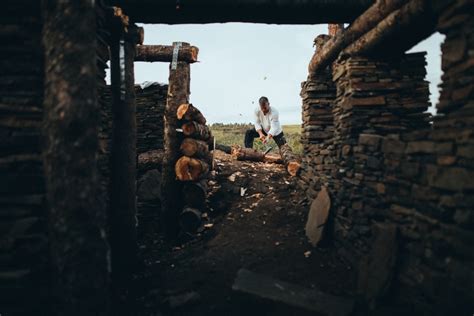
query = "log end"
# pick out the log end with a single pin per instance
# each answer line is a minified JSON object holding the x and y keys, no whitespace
{"x":182,"y":109}
{"x":188,"y":147}
{"x":188,"y":128}
{"x":190,"y":169}
{"x":293,"y":168}
{"x":194,"y":54}
{"x":190,"y":219}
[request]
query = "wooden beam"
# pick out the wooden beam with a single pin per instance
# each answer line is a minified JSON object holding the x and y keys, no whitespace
{"x":77,"y":212}
{"x":369,"y":19}
{"x":261,"y":11}
{"x":398,"y":32}
{"x":163,"y":53}
{"x":178,"y":93}
{"x":123,"y":235}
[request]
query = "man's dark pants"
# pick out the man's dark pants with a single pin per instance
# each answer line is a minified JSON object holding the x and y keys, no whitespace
{"x":251,"y":134}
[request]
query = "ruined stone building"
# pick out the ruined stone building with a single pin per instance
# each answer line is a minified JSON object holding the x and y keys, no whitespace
{"x":401,"y":181}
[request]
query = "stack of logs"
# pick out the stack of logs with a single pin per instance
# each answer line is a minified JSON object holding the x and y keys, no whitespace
{"x":193,"y":167}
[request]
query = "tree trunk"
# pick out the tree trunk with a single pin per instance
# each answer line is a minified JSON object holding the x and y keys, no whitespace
{"x":77,"y":212}
{"x":188,"y":112}
{"x":178,"y":93}
{"x":191,"y":169}
{"x":194,"y":148}
{"x":190,"y":219}
{"x":291,"y":161}
{"x":195,"y":193}
{"x":414,"y":22}
{"x":164,"y":53}
{"x":364,"y":23}
{"x":261,"y":11}
{"x":196,"y":130}
{"x":123,"y":169}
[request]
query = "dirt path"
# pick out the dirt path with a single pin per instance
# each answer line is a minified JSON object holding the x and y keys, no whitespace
{"x":256,"y":221}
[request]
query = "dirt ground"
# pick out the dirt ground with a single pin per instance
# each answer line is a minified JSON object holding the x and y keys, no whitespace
{"x":255,"y":220}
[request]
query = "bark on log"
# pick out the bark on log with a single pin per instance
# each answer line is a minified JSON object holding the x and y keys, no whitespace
{"x":190,"y":219}
{"x":364,"y":23}
{"x":262,"y":11}
{"x":195,"y":193}
{"x":194,"y":148}
{"x":77,"y":212}
{"x":191,"y":169}
{"x":151,"y":159}
{"x":251,"y":154}
{"x":123,"y":171}
{"x":188,"y":112}
{"x":164,"y":53}
{"x":171,"y":201}
{"x":196,"y":130}
{"x":224,"y":148}
{"x":377,"y":40}
{"x":291,"y":160}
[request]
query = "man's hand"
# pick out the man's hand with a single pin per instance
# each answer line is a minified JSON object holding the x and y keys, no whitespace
{"x":261,"y":135}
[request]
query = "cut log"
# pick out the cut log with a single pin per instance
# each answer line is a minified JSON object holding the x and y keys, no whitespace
{"x":415,"y":18}
{"x":273,"y":158}
{"x":195,"y":193}
{"x":196,"y":130}
{"x":164,"y":53}
{"x":190,"y":169}
{"x":194,"y":148}
{"x":151,"y":159}
{"x":364,"y":23}
{"x":190,"y":219}
{"x":251,"y":154}
{"x":291,"y":161}
{"x":224,"y":148}
{"x":188,"y":112}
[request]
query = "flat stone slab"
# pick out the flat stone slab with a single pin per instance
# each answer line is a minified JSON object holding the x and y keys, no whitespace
{"x":318,"y":216}
{"x":292,"y":294}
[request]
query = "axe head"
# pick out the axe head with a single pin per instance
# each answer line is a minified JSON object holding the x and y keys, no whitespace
{"x":267,"y":150}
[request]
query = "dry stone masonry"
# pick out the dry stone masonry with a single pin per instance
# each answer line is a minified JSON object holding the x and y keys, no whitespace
{"x":401,"y":181}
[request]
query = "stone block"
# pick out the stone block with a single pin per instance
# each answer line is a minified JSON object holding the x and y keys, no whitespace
{"x":420,"y":147}
{"x":370,"y":140}
{"x":393,"y":146}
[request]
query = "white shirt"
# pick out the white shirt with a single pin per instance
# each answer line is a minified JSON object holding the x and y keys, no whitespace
{"x":268,"y":122}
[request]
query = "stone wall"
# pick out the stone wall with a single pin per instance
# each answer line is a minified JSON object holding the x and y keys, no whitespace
{"x":23,"y":215}
{"x":401,"y":182}
{"x":318,"y":162}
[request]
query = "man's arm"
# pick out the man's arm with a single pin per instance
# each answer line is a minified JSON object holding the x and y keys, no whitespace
{"x":275,"y":127}
{"x":258,"y":125}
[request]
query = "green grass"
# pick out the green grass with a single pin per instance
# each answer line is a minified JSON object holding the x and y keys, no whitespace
{"x":233,"y":134}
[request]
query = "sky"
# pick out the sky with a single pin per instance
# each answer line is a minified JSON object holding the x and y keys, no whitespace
{"x":240,"y":62}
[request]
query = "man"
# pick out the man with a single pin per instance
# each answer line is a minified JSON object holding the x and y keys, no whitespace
{"x":267,"y":125}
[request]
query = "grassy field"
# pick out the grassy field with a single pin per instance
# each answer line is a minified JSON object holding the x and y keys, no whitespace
{"x":233,"y":134}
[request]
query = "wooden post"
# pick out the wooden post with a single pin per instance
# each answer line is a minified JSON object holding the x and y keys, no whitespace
{"x":178,"y":93}
{"x":79,"y":249}
{"x":123,"y":236}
